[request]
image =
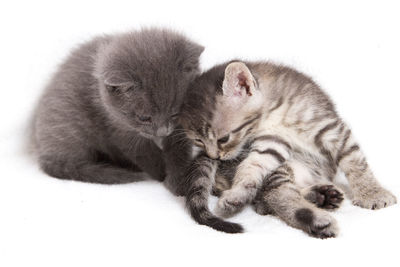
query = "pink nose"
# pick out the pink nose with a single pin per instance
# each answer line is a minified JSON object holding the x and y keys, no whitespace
{"x":213,"y":155}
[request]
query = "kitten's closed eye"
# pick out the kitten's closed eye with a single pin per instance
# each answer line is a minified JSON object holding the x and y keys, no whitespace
{"x":199,"y":142}
{"x":175,"y":116}
{"x":144,"y":118}
{"x":112,"y":88}
{"x":115,"y":85}
{"x":223,"y":140}
{"x":119,"y":88}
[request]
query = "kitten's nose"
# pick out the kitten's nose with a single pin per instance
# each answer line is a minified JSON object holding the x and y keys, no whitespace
{"x":214,"y":157}
{"x":213,"y":154}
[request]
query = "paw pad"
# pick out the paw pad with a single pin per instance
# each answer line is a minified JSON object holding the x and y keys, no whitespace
{"x":327,"y":197}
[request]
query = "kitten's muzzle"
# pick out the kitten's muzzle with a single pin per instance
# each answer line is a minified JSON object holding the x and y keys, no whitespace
{"x":213,"y":154}
{"x":165,"y":130}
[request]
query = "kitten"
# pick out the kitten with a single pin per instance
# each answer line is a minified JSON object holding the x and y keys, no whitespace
{"x":109,"y":106}
{"x":285,"y":142}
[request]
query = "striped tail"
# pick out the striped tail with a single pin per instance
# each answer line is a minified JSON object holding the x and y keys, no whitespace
{"x":198,"y":193}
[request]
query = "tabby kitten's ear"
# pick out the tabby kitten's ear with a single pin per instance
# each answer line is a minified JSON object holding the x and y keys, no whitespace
{"x":238,"y":83}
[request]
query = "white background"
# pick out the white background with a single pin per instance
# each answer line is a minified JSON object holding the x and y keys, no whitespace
{"x":351,"y":49}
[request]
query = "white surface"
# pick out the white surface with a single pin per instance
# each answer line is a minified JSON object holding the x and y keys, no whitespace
{"x":350,"y":48}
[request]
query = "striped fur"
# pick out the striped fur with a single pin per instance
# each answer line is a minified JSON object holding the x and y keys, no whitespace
{"x":277,"y":117}
{"x":201,"y":177}
{"x":280,"y":196}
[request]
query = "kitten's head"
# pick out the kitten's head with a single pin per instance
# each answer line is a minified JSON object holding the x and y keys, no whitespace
{"x":221,"y":110}
{"x":144,"y":77}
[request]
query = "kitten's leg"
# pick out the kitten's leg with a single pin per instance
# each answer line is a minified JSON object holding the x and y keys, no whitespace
{"x":199,"y":179}
{"x":66,"y":152}
{"x":224,"y":175}
{"x":324,"y":196}
{"x":279,"y":196}
{"x":86,"y":170}
{"x":267,"y":153}
{"x":145,"y":154}
{"x":337,"y":141}
{"x":221,"y":184}
{"x":177,"y":152}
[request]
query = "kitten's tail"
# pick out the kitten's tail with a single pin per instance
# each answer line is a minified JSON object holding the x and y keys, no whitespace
{"x":197,"y":203}
{"x":202,"y":215}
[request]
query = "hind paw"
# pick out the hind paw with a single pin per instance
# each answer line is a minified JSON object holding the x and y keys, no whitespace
{"x":375,"y":198}
{"x":325,"y":196}
{"x":317,"y":224}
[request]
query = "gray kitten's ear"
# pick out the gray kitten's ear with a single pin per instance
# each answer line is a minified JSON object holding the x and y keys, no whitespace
{"x":200,"y":49}
{"x":197,"y":49}
{"x":238,"y":81}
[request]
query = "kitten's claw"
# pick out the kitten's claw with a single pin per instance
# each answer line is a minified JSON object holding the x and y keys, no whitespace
{"x":375,"y":198}
{"x":317,"y":224}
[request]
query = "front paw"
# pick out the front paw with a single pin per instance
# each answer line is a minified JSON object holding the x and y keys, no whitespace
{"x":317,"y":224}
{"x":375,"y":198}
{"x":231,"y":202}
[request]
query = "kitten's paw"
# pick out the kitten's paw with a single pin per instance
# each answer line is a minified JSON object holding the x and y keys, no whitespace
{"x":261,"y":208}
{"x":325,"y":196}
{"x":375,"y":198}
{"x":317,"y":224}
{"x":231,"y":202}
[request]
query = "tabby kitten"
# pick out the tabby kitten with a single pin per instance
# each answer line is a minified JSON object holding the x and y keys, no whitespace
{"x":285,"y":142}
{"x":106,"y":111}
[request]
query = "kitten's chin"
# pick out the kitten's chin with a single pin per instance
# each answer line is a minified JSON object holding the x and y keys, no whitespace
{"x":228,"y":157}
{"x":146,"y":135}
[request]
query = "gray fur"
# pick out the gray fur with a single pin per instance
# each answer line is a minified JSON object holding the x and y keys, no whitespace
{"x":114,"y":95}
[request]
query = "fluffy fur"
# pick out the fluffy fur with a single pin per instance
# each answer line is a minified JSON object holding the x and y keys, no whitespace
{"x":281,"y":135}
{"x":108,"y":108}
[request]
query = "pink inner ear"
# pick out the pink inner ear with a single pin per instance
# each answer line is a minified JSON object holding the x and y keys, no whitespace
{"x":243,"y":82}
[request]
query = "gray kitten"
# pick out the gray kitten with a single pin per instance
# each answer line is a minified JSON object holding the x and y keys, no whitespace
{"x":279,"y":143}
{"x":105,"y":113}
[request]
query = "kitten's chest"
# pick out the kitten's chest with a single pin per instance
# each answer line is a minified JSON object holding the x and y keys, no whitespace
{"x":300,"y":139}
{"x":304,"y":152}
{"x":159,"y":142}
